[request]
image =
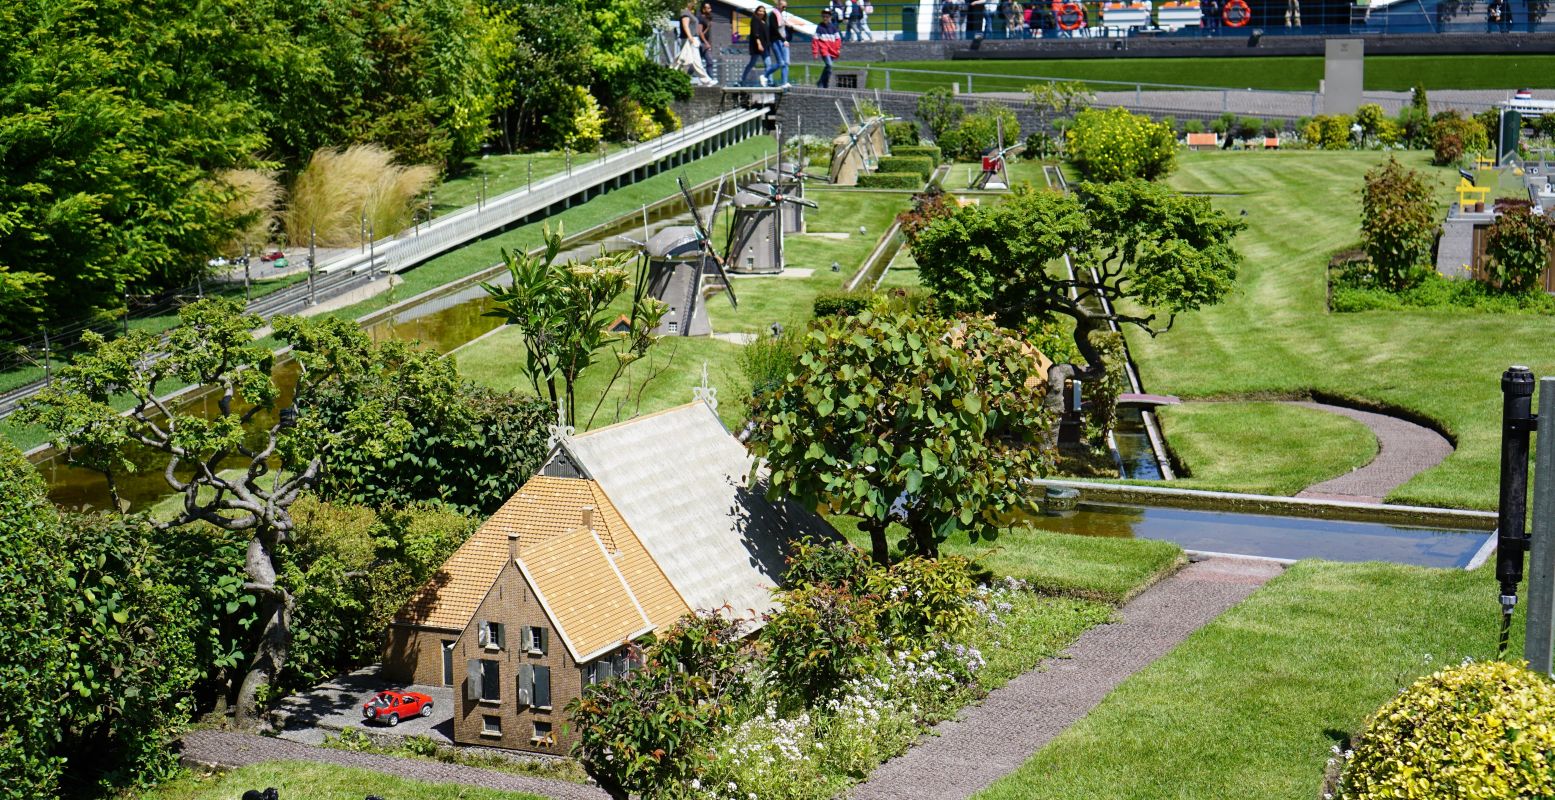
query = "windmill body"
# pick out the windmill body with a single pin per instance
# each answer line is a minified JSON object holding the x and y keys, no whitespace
{"x":756,"y":234}
{"x":677,"y":273}
{"x":790,"y":181}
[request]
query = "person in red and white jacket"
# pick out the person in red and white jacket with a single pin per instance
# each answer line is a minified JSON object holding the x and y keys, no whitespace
{"x":826,"y":44}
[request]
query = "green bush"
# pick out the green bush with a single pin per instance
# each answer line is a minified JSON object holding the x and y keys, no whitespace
{"x":1358,"y":292}
{"x":1398,"y":224}
{"x":842,"y":303}
{"x":767,"y":361}
{"x":1470,"y":135}
{"x":941,"y":111}
{"x":903,"y":133}
{"x":1116,"y":144}
{"x":1476,"y":730}
{"x":1519,"y":245}
{"x":930,"y":150}
{"x":827,"y":563}
{"x":1193,"y":126}
{"x":923,"y":165}
{"x":1328,"y":131}
{"x":823,"y":637}
{"x":923,"y":598}
{"x":1101,"y":395}
{"x":891,"y":180}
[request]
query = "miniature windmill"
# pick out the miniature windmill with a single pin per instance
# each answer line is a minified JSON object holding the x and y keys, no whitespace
{"x":996,"y":173}
{"x":756,"y":234}
{"x":790,"y":179}
{"x":682,"y":265}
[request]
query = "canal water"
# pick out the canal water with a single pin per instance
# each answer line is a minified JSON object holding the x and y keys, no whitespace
{"x":1270,"y":536}
{"x":443,"y":321}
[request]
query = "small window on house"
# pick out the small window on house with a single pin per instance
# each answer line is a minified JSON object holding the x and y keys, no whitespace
{"x":673,"y":327}
{"x":490,"y":635}
{"x":491,"y":725}
{"x":491,"y":681}
{"x":542,"y":733}
{"x":535,"y":639}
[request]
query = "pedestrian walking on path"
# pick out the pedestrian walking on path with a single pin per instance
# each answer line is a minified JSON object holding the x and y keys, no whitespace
{"x":778,"y":34}
{"x":992,"y":739}
{"x":826,"y":45}
{"x":689,"y":57}
{"x":758,"y":46}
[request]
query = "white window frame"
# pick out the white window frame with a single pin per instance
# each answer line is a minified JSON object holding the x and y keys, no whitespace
{"x":491,"y":725}
{"x":550,"y":733}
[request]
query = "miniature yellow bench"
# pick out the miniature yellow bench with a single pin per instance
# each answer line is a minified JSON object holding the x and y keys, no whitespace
{"x":1484,"y":162}
{"x":1469,"y":194}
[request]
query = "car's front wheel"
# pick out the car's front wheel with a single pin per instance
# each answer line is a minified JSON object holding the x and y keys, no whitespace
{"x":394,"y":719}
{"x":426,"y":710}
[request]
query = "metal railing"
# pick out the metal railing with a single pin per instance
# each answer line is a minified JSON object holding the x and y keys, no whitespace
{"x":939,"y":21}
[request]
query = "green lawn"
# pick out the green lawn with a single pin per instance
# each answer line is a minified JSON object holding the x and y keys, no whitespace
{"x":1262,"y":447}
{"x":1275,"y":337}
{"x":1110,"y":570}
{"x":307,"y":781}
{"x":1249,"y":705}
{"x":675,"y":366}
{"x":503,"y":173}
{"x":1288,"y":73}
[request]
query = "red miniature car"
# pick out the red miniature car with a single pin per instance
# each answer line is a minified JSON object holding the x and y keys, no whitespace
{"x":391,"y":707}
{"x":273,"y":255}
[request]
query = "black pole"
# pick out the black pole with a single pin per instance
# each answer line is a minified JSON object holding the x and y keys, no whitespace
{"x":1517,"y":422}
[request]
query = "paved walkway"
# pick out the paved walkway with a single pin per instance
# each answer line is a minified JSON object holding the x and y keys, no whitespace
{"x":231,"y":749}
{"x":990,"y":740}
{"x":1404,"y":450}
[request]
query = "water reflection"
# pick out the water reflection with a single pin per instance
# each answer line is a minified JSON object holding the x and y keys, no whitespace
{"x":1270,"y":536}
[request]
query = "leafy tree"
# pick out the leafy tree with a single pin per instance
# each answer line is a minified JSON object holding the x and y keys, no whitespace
{"x":900,"y":418}
{"x":1398,"y":224}
{"x":941,"y":111}
{"x":1059,"y":98}
{"x":241,"y":468}
{"x":1116,"y":144}
{"x":1148,"y":249}
{"x":1470,"y":136}
{"x":1519,"y":244}
{"x":1328,"y":131}
{"x":562,"y":312}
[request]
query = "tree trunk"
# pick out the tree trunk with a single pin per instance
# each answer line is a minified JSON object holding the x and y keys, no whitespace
{"x":275,"y":608}
{"x":879,"y":550}
{"x":1057,"y":375}
{"x":923,"y":541}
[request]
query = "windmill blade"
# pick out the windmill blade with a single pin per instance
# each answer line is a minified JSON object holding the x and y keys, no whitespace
{"x":779,"y":133}
{"x":696,"y":215}
{"x":846,"y":125}
{"x":718,"y":264}
{"x":799,"y":201}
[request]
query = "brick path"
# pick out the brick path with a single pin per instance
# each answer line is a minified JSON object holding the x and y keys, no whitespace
{"x":990,"y":740}
{"x":230,"y":749}
{"x":1404,"y":450}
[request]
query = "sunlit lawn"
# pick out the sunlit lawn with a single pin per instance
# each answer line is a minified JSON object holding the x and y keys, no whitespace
{"x":1268,"y":448}
{"x":309,"y":781}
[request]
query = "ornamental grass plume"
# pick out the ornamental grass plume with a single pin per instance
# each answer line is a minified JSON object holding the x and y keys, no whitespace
{"x":341,"y":186}
{"x":255,"y":195}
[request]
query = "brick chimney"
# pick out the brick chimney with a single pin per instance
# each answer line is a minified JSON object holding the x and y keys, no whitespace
{"x":513,"y":547}
{"x":588,"y":517}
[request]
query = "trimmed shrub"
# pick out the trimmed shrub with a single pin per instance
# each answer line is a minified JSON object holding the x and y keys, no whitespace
{"x":1470,"y":134}
{"x":1328,"y":131}
{"x":842,"y":303}
{"x":930,"y":151}
{"x":940,"y":110}
{"x":891,"y":180}
{"x":922,"y":165}
{"x":1519,"y":245}
{"x":901,"y":134}
{"x":1477,"y":730}
{"x":1116,"y":144}
{"x":1398,"y":224}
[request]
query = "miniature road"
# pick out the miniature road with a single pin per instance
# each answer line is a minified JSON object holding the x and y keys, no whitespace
{"x":993,"y":739}
{"x":230,"y":750}
{"x":1404,"y":450}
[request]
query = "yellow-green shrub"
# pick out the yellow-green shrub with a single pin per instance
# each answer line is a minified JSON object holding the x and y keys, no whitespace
{"x":1116,"y":144}
{"x":1328,"y":131}
{"x":1477,"y":730}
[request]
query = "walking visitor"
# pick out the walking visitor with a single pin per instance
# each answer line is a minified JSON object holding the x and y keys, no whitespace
{"x":758,"y":46}
{"x":689,"y":56}
{"x":778,"y":33}
{"x":826,"y":45}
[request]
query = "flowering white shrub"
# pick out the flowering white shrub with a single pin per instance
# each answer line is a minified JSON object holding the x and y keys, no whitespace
{"x":768,"y":757}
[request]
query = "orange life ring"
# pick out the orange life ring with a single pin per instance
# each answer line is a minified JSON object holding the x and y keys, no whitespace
{"x":1071,"y":16}
{"x":1242,"y":14}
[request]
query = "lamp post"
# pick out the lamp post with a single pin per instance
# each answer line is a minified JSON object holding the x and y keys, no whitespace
{"x":1517,"y":422}
{"x":312,"y":263}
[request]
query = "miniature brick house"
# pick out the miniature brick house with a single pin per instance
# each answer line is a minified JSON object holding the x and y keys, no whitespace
{"x":625,"y":530}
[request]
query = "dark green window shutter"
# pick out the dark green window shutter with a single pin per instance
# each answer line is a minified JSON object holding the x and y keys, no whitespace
{"x":542,"y":694}
{"x":544,"y":636}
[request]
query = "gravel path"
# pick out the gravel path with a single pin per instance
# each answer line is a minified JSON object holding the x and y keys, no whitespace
{"x":231,"y":749}
{"x":990,"y":740}
{"x":1404,"y":450}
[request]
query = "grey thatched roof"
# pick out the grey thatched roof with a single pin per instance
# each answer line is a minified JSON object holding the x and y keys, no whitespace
{"x":679,"y":479}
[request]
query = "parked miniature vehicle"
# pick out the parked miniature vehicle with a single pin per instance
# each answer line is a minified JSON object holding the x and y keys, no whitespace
{"x":280,"y":263}
{"x":273,"y":255}
{"x":391,"y":707}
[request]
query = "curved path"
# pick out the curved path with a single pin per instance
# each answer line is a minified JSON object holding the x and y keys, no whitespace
{"x":994,"y":738}
{"x":1404,"y":450}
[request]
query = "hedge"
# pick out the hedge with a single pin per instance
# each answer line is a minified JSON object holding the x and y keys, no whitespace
{"x":923,"y":165}
{"x":930,"y":150}
{"x":842,"y":303}
{"x":891,"y":180}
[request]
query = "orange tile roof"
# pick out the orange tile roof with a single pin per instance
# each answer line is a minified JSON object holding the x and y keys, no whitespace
{"x":541,"y":510}
{"x":584,"y":593}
